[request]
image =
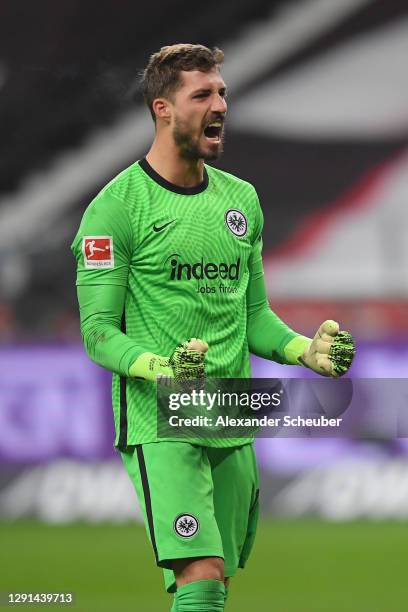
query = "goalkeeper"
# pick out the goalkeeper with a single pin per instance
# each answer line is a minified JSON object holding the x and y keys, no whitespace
{"x":170,"y":284}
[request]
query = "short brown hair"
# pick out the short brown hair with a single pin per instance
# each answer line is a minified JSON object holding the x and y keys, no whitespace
{"x":161,"y":76}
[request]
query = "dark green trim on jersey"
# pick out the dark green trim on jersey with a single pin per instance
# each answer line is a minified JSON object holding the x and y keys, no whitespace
{"x":144,"y":164}
{"x":256,"y":501}
{"x":147,"y":497}
{"x":122,"y":443}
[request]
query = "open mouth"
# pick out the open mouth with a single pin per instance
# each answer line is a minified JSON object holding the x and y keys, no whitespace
{"x":213,"y":131}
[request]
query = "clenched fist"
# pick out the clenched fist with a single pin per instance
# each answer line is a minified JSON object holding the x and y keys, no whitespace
{"x":331,"y":351}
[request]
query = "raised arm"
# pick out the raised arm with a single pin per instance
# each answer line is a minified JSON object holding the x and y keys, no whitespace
{"x":103,"y":248}
{"x":329,"y":353}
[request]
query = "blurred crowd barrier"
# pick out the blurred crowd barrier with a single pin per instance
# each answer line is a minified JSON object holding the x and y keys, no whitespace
{"x":58,"y":464}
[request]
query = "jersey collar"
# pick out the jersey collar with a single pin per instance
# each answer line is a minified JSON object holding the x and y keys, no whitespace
{"x":144,"y":164}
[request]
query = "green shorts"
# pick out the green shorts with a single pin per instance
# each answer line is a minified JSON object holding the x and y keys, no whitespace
{"x":196,"y":501}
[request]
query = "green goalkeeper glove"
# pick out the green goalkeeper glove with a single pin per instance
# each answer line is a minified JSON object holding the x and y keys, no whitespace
{"x":185,"y":363}
{"x":330,"y":353}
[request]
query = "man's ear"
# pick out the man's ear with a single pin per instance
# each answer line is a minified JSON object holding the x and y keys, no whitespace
{"x":161,"y":108}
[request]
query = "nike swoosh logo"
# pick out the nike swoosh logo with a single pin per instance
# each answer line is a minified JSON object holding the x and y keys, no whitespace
{"x":162,"y":227}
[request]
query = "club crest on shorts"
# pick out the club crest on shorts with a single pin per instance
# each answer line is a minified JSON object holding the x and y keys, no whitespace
{"x":236,"y":222}
{"x":98,"y":251}
{"x":186,"y":525}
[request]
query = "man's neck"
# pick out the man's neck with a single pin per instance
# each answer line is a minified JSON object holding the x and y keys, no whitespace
{"x":171,"y":166}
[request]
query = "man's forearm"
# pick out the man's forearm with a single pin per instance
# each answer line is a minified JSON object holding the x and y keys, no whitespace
{"x":268,"y":335}
{"x":109,"y":347}
{"x":101,"y":312}
{"x":101,"y":309}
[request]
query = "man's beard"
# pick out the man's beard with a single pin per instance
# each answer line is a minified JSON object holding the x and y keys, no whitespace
{"x":189,"y":145}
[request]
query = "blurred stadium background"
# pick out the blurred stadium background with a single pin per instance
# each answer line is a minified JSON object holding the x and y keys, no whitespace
{"x":318,"y":121}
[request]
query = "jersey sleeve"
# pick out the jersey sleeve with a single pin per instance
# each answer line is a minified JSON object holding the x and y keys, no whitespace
{"x":267,"y":334}
{"x":101,"y":312}
{"x":102,"y":277}
{"x":103,"y":245}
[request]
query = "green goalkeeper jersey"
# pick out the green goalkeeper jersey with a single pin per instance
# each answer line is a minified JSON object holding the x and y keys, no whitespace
{"x":158,"y":264}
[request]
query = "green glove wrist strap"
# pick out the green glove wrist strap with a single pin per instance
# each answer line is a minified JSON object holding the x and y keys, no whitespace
{"x":148,"y":366}
{"x":295,"y":349}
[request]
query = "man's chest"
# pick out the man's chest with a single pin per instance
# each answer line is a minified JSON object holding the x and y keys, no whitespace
{"x":194,"y":240}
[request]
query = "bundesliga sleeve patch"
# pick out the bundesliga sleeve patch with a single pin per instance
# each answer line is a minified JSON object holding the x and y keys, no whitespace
{"x":98,"y":251}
